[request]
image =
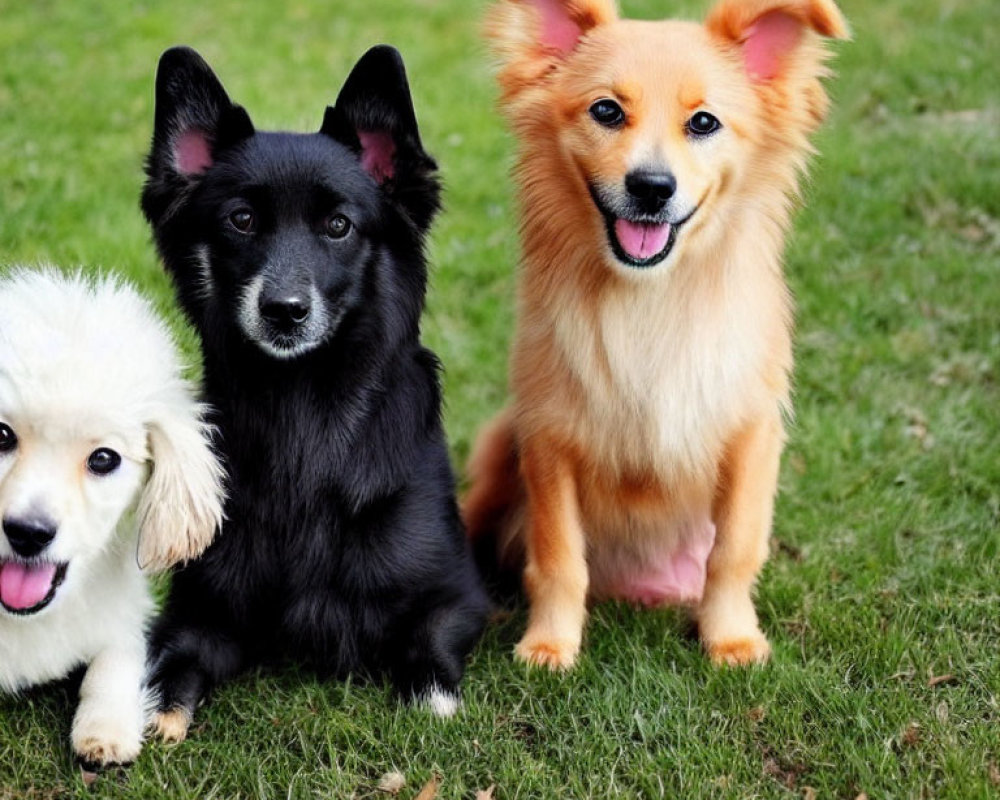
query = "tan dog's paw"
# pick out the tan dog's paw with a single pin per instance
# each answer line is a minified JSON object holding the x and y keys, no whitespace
{"x":102,"y":741}
{"x":172,"y":726}
{"x":540,"y":651}
{"x":739,"y":652}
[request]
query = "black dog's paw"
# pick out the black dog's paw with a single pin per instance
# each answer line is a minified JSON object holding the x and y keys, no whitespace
{"x":439,"y":701}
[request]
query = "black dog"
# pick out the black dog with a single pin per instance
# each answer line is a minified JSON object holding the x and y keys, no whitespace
{"x":299,"y":259}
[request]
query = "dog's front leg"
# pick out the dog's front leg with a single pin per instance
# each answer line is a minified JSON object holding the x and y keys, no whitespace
{"x":555,"y":574}
{"x":727,"y":621}
{"x":108,"y":725}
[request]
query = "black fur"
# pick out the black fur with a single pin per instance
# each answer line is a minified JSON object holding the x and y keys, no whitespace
{"x":342,"y":545}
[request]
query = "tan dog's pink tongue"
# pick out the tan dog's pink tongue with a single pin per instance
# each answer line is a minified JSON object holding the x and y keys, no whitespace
{"x":23,"y":586}
{"x":641,"y":240}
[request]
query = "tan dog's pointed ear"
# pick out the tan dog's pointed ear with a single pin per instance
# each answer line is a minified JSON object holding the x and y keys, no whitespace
{"x":770,"y":32}
{"x":530,"y":37}
{"x":181,"y":505}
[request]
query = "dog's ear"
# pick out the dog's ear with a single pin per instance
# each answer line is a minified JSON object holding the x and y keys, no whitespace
{"x":779,"y":43}
{"x":772,"y":33}
{"x":181,"y":506}
{"x":194,"y":117}
{"x":374,"y":117}
{"x":531,"y":37}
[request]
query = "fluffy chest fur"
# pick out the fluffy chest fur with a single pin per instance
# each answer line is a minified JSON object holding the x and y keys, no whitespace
{"x":109,"y":608}
{"x":656,"y":374}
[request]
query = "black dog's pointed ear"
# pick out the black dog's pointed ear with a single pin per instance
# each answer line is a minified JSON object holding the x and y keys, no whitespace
{"x":194,"y":116}
{"x":374,"y":117}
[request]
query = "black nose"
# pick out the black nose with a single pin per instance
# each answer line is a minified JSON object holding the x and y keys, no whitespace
{"x":652,"y":188}
{"x":29,"y":537}
{"x":285,"y":313}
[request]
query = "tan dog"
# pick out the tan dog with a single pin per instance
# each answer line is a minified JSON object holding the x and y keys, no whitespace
{"x":657,"y":164}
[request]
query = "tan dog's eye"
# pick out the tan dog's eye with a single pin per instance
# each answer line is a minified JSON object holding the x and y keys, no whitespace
{"x":8,"y":439}
{"x":607,"y":113}
{"x":702,"y":124}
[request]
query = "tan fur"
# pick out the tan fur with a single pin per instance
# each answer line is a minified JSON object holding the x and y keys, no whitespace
{"x":646,"y":400}
{"x":179,"y":512}
{"x":172,"y":726}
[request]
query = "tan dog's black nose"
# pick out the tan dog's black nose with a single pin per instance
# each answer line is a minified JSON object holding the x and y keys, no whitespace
{"x":652,"y":189}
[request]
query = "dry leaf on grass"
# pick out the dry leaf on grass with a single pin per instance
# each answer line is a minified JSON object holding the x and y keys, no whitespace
{"x":911,"y":735}
{"x":430,"y":790}
{"x":935,"y":680}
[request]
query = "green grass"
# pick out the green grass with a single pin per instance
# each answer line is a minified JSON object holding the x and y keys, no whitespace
{"x":886,"y":572}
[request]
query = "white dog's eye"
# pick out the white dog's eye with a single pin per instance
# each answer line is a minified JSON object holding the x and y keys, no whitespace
{"x":103,"y":461}
{"x":8,"y":439}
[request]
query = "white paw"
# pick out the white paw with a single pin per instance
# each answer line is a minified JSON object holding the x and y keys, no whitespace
{"x":440,"y":702}
{"x":103,"y":739}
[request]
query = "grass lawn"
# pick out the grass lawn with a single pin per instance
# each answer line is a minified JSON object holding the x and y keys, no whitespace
{"x":882,"y":597}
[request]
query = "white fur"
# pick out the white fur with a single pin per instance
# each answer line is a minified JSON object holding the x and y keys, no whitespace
{"x":441,"y":703}
{"x":206,"y":283}
{"x":84,"y":365}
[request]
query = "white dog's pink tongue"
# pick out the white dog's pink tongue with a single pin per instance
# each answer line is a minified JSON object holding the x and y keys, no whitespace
{"x":641,"y":240}
{"x":23,"y":586}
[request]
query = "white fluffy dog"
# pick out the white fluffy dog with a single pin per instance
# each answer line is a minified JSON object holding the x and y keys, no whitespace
{"x":105,"y":470}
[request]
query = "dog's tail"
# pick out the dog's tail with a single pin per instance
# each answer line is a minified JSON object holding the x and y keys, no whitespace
{"x":493,"y":506}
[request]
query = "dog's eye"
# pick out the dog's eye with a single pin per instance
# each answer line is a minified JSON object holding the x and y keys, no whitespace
{"x":8,"y":439}
{"x":103,"y":461}
{"x":337,"y":226}
{"x":242,"y":219}
{"x":608,"y":113}
{"x":702,"y":124}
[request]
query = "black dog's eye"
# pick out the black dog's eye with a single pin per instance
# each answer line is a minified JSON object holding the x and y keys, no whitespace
{"x":8,"y":439}
{"x":242,"y":219}
{"x":337,"y":226}
{"x":103,"y":461}
{"x":608,"y":113}
{"x":703,"y":124}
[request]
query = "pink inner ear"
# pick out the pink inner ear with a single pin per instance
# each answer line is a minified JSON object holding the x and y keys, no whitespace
{"x":377,"y":151}
{"x":767,"y":41}
{"x":559,"y":32}
{"x":192,"y":152}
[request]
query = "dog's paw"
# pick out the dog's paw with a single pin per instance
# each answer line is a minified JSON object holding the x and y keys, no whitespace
{"x":556,"y":654}
{"x":103,"y":741}
{"x":739,"y":652}
{"x":171,"y":726}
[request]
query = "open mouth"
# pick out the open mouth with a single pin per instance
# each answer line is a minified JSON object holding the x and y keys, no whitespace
{"x":26,"y":588}
{"x":639,"y":242}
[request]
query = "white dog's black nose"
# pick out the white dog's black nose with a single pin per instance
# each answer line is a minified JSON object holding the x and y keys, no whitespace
{"x":651,"y":188}
{"x":28,"y":537}
{"x":285,"y":313}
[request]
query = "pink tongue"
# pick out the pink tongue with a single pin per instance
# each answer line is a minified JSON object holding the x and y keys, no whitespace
{"x":641,"y":240}
{"x":24,"y":586}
